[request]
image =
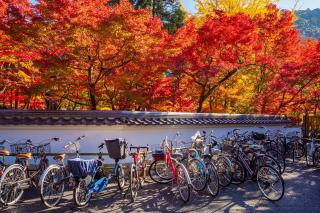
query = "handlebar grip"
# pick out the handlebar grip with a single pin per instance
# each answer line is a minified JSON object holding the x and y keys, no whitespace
{"x":101,"y":146}
{"x":81,"y":137}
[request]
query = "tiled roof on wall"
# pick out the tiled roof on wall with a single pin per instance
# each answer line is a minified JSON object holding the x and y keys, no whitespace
{"x":28,"y":117}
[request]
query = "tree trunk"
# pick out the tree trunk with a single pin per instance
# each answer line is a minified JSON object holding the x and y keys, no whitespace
{"x":16,"y":100}
{"x":92,"y":90}
{"x":93,"y":100}
{"x":201,"y":100}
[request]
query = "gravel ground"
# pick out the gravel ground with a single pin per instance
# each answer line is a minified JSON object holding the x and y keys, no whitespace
{"x":302,"y":185}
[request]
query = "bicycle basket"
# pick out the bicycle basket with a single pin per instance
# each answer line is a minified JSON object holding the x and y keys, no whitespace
{"x":19,"y":148}
{"x":117,"y":148}
{"x":40,"y":149}
{"x":226,"y":146}
{"x":258,"y":136}
{"x":81,"y":168}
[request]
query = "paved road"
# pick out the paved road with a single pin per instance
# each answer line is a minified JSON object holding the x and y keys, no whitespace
{"x":302,"y":195}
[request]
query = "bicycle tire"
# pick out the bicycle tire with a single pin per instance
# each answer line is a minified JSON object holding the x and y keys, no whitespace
{"x":197,"y":173}
{"x":182,"y":182}
{"x":81,"y":191}
{"x":134,"y":183}
{"x":223,"y":167}
{"x":279,"y":158}
{"x":10,"y":175}
{"x":238,"y":171}
{"x":213,"y":180}
{"x":316,"y":157}
{"x":120,"y":178}
{"x":48,"y":175}
{"x":263,"y":182}
{"x":154,"y":173}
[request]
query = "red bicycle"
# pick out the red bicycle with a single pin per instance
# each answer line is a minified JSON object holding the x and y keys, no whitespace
{"x":138,"y":169}
{"x":166,"y":168}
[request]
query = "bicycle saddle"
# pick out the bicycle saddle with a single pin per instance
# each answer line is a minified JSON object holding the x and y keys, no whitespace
{"x":4,"y":152}
{"x":24,"y":156}
{"x":59,"y":157}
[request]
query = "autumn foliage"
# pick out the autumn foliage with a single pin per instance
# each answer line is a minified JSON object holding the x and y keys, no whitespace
{"x":63,"y":54}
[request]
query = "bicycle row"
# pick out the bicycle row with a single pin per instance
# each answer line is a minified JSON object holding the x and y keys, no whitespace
{"x":206,"y":163}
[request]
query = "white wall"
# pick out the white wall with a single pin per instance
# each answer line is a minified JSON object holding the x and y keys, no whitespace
{"x":95,"y":135}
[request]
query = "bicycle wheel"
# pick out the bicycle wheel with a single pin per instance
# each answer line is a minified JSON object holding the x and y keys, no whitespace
{"x":223,"y":167}
{"x":182,"y":182}
{"x":11,"y":190}
{"x":266,"y":160}
{"x":134,"y":183}
{"x":296,"y":150}
{"x":316,"y":157}
{"x":160,"y":172}
{"x":213,"y":180}
{"x":278,"y":157}
{"x":120,"y":178}
{"x":238,"y":171}
{"x":81,"y":193}
{"x":270,"y":183}
{"x":197,"y":173}
{"x":52,"y":185}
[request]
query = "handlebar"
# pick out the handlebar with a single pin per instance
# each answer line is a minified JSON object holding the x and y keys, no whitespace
{"x":139,"y":147}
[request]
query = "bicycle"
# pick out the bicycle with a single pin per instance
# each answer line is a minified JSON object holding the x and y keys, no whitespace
{"x":166,"y":168}
{"x":137,"y":169}
{"x":221,"y":162}
{"x":19,"y":176}
{"x":202,"y":174}
{"x":3,"y":153}
{"x":294,"y":147}
{"x":53,"y":179}
{"x":258,"y":168}
{"x":259,"y":141}
{"x":313,"y":148}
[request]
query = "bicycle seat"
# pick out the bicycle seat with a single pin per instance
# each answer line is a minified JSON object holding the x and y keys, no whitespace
{"x":24,"y":156}
{"x":59,"y":157}
{"x":133,"y":154}
{"x":4,"y":152}
{"x":176,"y":155}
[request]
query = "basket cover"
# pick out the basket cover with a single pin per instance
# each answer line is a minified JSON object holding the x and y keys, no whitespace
{"x":117,"y":148}
{"x":158,"y":155}
{"x":82,"y":168}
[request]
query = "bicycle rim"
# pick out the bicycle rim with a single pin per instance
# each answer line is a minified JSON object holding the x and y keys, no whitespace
{"x":120,"y":178}
{"x":316,"y":158}
{"x":197,"y":173}
{"x":224,"y":172}
{"x":81,"y":194}
{"x":270,"y":183}
{"x":10,"y":191}
{"x":160,"y":172}
{"x":52,"y":186}
{"x":134,"y":183}
{"x":213,"y":180}
{"x":182,"y":182}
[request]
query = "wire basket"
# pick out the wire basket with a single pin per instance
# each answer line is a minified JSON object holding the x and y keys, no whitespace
{"x":72,"y":147}
{"x":117,"y":148}
{"x":19,"y":148}
{"x":41,"y":149}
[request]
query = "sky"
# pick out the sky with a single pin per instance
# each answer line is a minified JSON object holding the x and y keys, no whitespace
{"x":283,"y":4}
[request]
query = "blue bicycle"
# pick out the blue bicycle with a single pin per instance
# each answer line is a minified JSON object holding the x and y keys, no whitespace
{"x":89,"y":175}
